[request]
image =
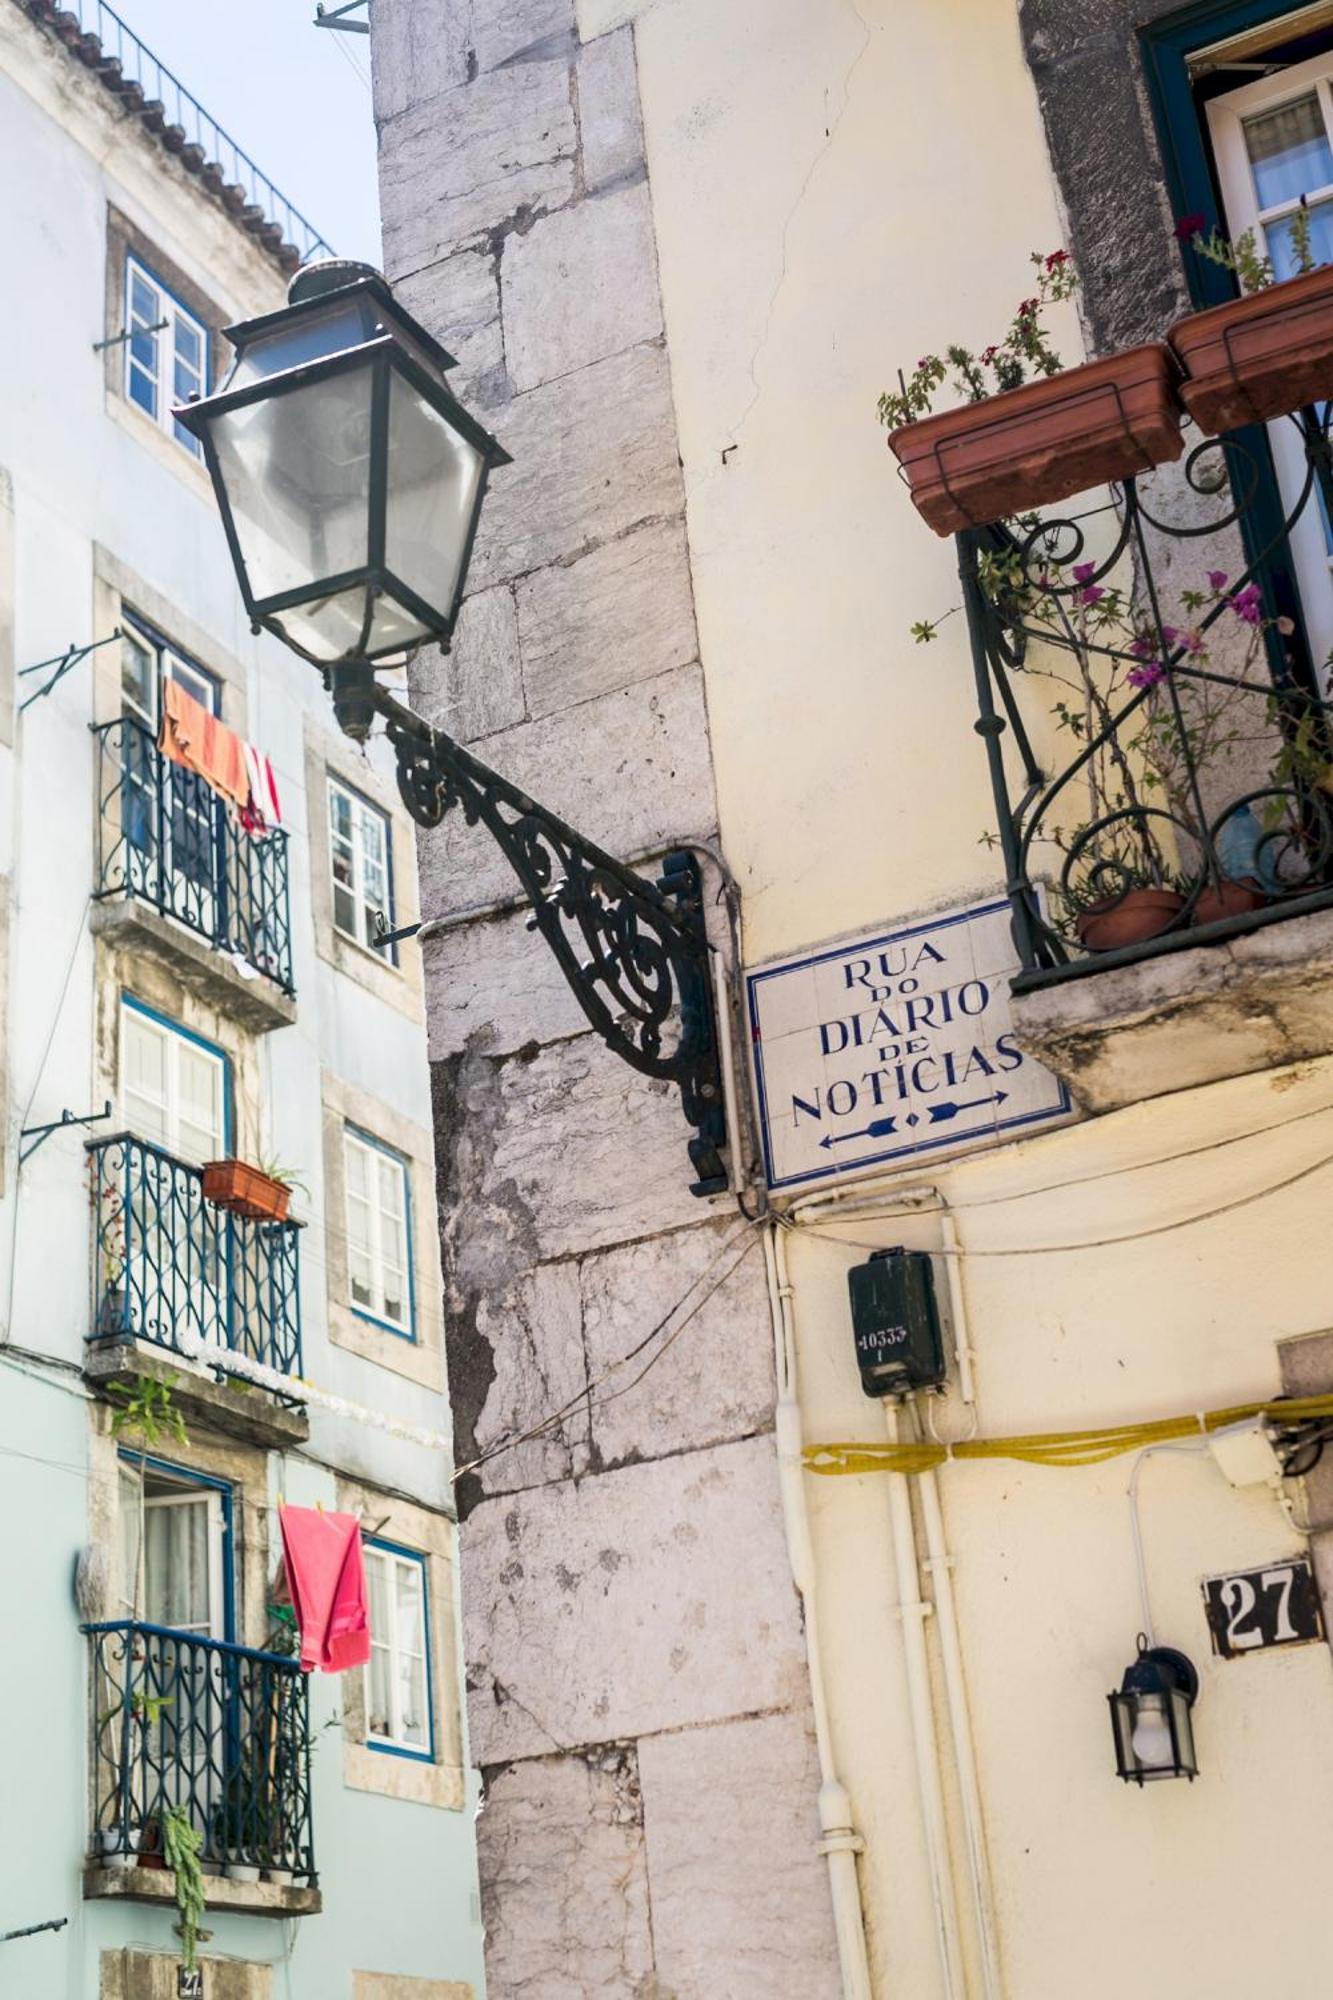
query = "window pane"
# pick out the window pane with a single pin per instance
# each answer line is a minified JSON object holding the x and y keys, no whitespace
{"x":144,"y":1053}
{"x":138,"y":677}
{"x":202,"y":1136}
{"x":189,"y":347}
{"x":176,"y":1566}
{"x":1321,"y":240}
{"x":378,"y":1719}
{"x":145,"y":305}
{"x":1289,"y":151}
{"x":143,"y":390}
{"x":412,"y":1701}
{"x":411,"y":1633}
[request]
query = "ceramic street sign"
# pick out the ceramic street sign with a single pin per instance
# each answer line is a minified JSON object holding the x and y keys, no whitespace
{"x":892,"y":1046}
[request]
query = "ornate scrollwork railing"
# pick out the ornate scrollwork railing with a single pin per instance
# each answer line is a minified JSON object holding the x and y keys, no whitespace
{"x":1162,"y":765}
{"x":164,"y":838}
{"x":218,"y":1730}
{"x":168,"y":1265}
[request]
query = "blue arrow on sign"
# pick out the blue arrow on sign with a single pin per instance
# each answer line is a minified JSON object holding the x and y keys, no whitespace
{"x":878,"y":1128}
{"x":941,"y":1113}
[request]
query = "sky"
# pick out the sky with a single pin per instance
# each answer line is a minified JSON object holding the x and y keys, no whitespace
{"x":295,"y":97}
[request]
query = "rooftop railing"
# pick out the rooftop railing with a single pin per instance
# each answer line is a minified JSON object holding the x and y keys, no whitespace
{"x":1157,"y":722}
{"x":218,"y":1731}
{"x":146,"y":86}
{"x":164,"y":837}
{"x":172,"y":1269}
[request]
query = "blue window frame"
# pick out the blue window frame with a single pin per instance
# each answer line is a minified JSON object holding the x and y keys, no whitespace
{"x":166,"y":354}
{"x":1169,"y":48}
{"x":377,"y":1185}
{"x":172,"y":1107}
{"x":184,"y":1575}
{"x":399,"y":1688}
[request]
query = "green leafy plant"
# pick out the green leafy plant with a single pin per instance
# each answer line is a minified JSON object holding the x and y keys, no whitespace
{"x":285,"y":1176}
{"x":146,"y":1411}
{"x":1251,"y":267}
{"x":182,"y":1845}
{"x":1023,"y":351}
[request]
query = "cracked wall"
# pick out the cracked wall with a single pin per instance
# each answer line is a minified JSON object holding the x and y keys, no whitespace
{"x":633,"y":1640}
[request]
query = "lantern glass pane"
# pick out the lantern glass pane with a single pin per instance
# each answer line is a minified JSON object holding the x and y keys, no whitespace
{"x":1186,"y":1762}
{"x":296,"y":471}
{"x":433,"y":486}
{"x":329,"y":628}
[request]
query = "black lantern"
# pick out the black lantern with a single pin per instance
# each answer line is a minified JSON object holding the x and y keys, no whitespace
{"x":350,"y":479}
{"x":1151,"y":1716}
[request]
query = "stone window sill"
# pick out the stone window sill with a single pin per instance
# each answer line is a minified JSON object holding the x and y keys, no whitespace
{"x":158,"y":1885}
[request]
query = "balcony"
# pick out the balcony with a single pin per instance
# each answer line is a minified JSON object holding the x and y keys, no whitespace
{"x":170,"y":1270}
{"x":220,"y":1730}
{"x":176,"y":878}
{"x":1160,"y":744}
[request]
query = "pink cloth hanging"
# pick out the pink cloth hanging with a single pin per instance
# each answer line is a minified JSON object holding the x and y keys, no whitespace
{"x":327,"y":1581}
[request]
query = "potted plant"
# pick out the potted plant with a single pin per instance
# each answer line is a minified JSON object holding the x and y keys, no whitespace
{"x":108,"y":1203}
{"x":262,"y":1192}
{"x":181,"y":1846}
{"x":1158,"y":722}
{"x":1268,"y":351}
{"x":1029,"y":432}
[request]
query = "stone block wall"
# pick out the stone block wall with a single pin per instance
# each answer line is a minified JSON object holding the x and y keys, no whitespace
{"x":638,"y":1697}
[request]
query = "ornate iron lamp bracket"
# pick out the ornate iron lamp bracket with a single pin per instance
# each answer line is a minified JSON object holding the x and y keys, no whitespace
{"x":633,"y":952}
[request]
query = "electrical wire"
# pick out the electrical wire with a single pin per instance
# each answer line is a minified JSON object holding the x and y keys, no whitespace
{"x":1057,"y":1448}
{"x":1091,"y":1243}
{"x":1192,"y":1447}
{"x":557,"y":1416}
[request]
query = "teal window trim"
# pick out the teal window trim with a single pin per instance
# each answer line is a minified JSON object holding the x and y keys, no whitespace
{"x":1165,"y":46}
{"x":183,"y":1475}
{"x":137,"y":1006}
{"x":426,"y":1754}
{"x":408,"y":1331}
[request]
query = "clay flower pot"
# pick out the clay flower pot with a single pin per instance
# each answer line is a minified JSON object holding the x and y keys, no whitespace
{"x":1130,"y":918}
{"x":1258,"y":357}
{"x":1228,"y":899}
{"x":1043,"y":442}
{"x":245,"y":1190}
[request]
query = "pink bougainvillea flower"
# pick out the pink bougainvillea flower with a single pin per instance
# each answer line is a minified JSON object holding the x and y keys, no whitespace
{"x":1082,"y":571}
{"x":1217,"y":579}
{"x":1141,"y":646}
{"x":1248,"y":605}
{"x":1147,"y":675}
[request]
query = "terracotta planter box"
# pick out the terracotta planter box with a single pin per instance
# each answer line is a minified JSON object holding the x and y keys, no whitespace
{"x":1133,"y":918}
{"x":1050,"y":439}
{"x":1258,"y":357}
{"x":245,"y":1190}
{"x":1231,"y":898}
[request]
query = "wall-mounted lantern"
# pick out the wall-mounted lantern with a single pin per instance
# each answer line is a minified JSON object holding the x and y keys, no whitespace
{"x":1151,"y":1716}
{"x":350,"y":481}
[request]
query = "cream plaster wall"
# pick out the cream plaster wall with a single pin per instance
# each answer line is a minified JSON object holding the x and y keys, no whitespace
{"x":838,"y":188}
{"x":842,"y":156}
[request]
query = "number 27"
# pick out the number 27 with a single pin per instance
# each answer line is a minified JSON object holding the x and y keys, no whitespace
{"x":1239,"y":1599}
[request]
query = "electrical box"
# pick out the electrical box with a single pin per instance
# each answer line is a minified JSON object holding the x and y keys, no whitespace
{"x":1244,"y":1453}
{"x":896,"y":1323}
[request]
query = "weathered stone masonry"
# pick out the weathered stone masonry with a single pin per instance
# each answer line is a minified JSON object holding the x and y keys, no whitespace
{"x":638,"y":1693}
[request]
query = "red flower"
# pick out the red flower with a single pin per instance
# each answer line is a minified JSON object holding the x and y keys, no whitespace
{"x":1056,"y":259}
{"x":988,"y":355}
{"x":1190,"y":226}
{"x":1028,"y":307}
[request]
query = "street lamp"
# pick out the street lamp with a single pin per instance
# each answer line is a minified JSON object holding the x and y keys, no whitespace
{"x":1151,"y":1716}
{"x":350,"y":481}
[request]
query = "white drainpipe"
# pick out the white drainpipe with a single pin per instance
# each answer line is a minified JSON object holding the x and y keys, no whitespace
{"x":840,"y":1843}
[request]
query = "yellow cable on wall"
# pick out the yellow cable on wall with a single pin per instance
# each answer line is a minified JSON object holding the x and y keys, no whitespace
{"x":1087,"y":1447}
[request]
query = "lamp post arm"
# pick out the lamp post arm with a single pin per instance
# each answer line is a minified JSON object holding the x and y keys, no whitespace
{"x":634,"y":953}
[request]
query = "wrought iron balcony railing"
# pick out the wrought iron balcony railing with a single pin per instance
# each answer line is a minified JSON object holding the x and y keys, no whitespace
{"x":167,"y":1264}
{"x":1155,"y":706}
{"x":219,"y":1730}
{"x":164,"y":837}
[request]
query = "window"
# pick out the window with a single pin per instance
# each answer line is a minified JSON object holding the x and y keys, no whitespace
{"x":174,"y":1560}
{"x":166,"y":354}
{"x":146,"y":660}
{"x":1273,"y":142}
{"x":377,"y":1230}
{"x":359,"y":855}
{"x":398,"y":1678}
{"x":174,"y":1087}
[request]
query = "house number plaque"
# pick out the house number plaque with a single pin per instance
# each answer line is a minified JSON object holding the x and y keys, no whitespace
{"x":189,"y":1985}
{"x":1256,"y":1609}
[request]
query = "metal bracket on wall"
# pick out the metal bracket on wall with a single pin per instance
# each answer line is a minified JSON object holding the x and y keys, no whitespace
{"x":128,"y":333}
{"x":62,"y":662}
{"x":633,"y":952}
{"x":39,"y":1134}
{"x":31,"y":1930}
{"x":336,"y":17}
